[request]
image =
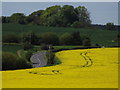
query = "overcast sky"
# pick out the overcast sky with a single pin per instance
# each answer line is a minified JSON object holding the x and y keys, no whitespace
{"x":100,"y":12}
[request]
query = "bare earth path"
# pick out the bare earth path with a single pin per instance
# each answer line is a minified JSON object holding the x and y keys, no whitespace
{"x":38,"y":59}
{"x":18,"y":53}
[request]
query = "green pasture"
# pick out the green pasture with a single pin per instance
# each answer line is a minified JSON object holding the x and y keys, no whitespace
{"x":11,"y":48}
{"x":101,"y":37}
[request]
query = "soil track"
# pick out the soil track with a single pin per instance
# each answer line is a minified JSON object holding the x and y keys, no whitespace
{"x":18,"y":53}
{"x":88,"y":60}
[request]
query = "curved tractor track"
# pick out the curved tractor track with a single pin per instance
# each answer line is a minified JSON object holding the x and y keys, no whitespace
{"x":88,"y":60}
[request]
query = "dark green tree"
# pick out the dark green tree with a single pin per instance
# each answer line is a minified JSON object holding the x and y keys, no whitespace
{"x":118,"y":39}
{"x":27,"y":46}
{"x":34,"y":39}
{"x":49,"y":15}
{"x":110,"y":26}
{"x":50,"y":38}
{"x":50,"y":56}
{"x":22,"y":63}
{"x":68,"y":14}
{"x":26,"y":38}
{"x":28,"y":55}
{"x":66,"y":39}
{"x":76,"y":39}
{"x":17,"y":18}
{"x":87,"y":42}
{"x":78,"y":24}
{"x":34,"y":18}
{"x":37,"y":13}
{"x":64,"y":16}
{"x":83,"y":15}
{"x":8,"y":61}
{"x":5,"y":19}
{"x":11,"y":38}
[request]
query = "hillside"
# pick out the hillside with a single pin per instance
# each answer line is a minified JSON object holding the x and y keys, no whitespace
{"x":102,"y":37}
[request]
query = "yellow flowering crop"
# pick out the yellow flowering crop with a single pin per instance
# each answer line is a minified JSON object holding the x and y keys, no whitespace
{"x":90,"y":68}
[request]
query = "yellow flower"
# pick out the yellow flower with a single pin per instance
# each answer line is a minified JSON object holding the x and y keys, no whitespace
{"x":89,"y":68}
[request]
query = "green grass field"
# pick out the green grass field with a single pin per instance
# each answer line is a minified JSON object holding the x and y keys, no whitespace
{"x":11,"y":48}
{"x":102,"y":37}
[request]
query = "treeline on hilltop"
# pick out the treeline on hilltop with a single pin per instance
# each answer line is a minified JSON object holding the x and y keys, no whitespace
{"x":57,"y":16}
{"x":66,"y":16}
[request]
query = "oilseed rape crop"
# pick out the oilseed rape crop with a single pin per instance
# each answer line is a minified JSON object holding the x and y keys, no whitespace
{"x":87,"y":68}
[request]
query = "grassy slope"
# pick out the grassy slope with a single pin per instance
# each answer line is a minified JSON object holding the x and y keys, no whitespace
{"x":102,"y":74}
{"x":11,"y":48}
{"x":103,"y":37}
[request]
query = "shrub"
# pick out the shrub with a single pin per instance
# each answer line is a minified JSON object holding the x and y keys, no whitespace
{"x":8,"y":61}
{"x":22,"y":63}
{"x":78,"y":24}
{"x":27,"y":46}
{"x":66,"y":39}
{"x":76,"y":38}
{"x":11,"y":62}
{"x":118,"y":39}
{"x":11,"y":38}
{"x":86,"y":42}
{"x":31,"y":37}
{"x":28,"y":55}
{"x":50,"y":38}
{"x":110,"y":26}
{"x":50,"y":57}
{"x":44,"y":47}
{"x":17,"y":18}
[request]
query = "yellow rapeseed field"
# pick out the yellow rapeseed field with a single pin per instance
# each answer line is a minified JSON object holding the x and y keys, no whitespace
{"x":89,"y":68}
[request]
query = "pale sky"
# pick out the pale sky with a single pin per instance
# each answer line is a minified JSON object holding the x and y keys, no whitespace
{"x":100,"y":12}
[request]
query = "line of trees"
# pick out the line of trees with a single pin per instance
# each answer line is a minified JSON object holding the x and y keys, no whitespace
{"x":52,"y":38}
{"x":66,"y":16}
{"x":57,"y":16}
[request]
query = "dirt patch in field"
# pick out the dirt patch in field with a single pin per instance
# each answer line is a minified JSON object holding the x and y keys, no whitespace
{"x":18,"y":53}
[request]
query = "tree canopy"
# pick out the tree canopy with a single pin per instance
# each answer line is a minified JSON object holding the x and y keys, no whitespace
{"x":62,"y":16}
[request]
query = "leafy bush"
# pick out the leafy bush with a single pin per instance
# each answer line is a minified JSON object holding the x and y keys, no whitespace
{"x":17,"y":18}
{"x":78,"y":24}
{"x":50,"y":38}
{"x":76,"y":38}
{"x":11,"y":62}
{"x":110,"y":26}
{"x":86,"y":42}
{"x":27,"y":46}
{"x":28,"y":55}
{"x":50,"y":57}
{"x":44,"y":47}
{"x":11,"y":38}
{"x":66,"y":39}
{"x":8,"y":61}
{"x":22,"y":63}
{"x":31,"y":37}
{"x":5,"y":19}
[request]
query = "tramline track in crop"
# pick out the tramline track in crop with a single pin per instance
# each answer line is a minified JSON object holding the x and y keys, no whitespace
{"x":88,"y":63}
{"x":88,"y":60}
